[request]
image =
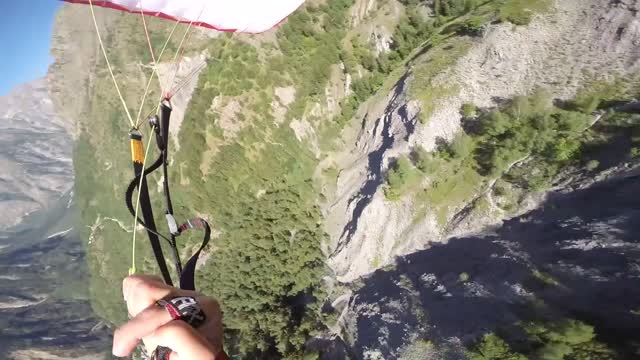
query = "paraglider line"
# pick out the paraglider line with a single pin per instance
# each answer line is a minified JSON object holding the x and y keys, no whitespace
{"x":146,"y":33}
{"x":153,"y":73}
{"x":106,"y":58}
{"x":132,"y":270}
{"x":187,"y":79}
{"x":180,"y":51}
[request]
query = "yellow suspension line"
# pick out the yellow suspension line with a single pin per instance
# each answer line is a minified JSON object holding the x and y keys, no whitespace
{"x":106,"y":58}
{"x":154,"y":72}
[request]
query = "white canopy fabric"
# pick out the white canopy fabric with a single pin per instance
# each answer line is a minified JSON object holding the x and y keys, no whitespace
{"x":250,"y":16}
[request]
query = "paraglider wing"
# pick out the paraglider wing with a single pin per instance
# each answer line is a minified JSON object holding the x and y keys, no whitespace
{"x":251,"y":16}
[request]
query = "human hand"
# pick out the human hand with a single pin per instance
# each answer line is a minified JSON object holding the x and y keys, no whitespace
{"x":155,"y":326}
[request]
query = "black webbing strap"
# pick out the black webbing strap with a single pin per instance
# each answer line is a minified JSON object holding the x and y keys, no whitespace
{"x":129,"y":201}
{"x":137,"y":157}
{"x":134,"y":184}
{"x":188,"y":276}
{"x":162,"y":140}
{"x":161,"y":128}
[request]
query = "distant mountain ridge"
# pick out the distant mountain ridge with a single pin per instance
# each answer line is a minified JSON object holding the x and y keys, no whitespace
{"x":35,"y":152}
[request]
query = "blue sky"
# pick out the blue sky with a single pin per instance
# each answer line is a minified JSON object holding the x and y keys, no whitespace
{"x":25,"y":33}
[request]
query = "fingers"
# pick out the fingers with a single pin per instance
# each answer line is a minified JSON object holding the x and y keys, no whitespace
{"x":131,"y":283}
{"x":154,"y":325}
{"x":142,"y":291}
{"x":127,"y":337}
{"x":184,"y":340}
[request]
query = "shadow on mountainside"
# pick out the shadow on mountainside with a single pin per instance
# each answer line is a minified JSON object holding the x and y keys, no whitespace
{"x":579,"y":253}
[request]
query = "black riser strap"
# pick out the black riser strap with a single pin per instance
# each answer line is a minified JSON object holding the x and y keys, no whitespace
{"x":147,"y":215}
{"x":187,"y":278}
{"x":134,"y":184}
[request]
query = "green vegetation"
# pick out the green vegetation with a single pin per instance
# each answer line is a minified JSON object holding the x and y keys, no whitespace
{"x":401,"y":176}
{"x":545,"y":278}
{"x":256,"y":188}
{"x":268,"y":262}
{"x":416,"y":350}
{"x":469,"y":110}
{"x":454,"y":7}
{"x":592,"y":165}
{"x":310,"y":41}
{"x":463,"y":277}
{"x":439,"y":58}
{"x":523,"y":145}
{"x":455,"y":182}
{"x":414,"y":31}
{"x":461,"y":146}
{"x":474,"y":25}
{"x":520,"y":12}
{"x":593,"y":95}
{"x":566,"y":339}
{"x":454,"y":179}
{"x":529,"y":126}
{"x":424,"y":160}
{"x":492,"y":347}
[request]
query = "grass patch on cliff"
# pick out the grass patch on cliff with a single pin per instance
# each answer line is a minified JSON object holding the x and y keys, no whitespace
{"x":521,"y":12}
{"x":561,"y":339}
{"x":518,"y":12}
{"x":401,"y":177}
{"x":438,"y":59}
{"x":452,"y":186}
{"x":452,"y":173}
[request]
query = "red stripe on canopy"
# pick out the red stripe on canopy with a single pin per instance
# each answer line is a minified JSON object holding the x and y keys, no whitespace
{"x":163,"y":15}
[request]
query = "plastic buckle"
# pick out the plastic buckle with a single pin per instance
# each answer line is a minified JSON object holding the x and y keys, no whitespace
{"x":173,"y":226}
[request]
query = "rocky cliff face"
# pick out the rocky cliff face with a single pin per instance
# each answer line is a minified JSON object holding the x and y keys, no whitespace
{"x":35,"y":152}
{"x":560,"y":51}
{"x":575,"y":253}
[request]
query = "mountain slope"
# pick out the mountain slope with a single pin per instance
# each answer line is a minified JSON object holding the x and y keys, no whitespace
{"x":35,"y":153}
{"x":387,"y":125}
{"x":572,"y":255}
{"x":493,"y":70}
{"x":44,"y":305}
